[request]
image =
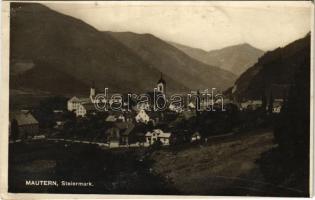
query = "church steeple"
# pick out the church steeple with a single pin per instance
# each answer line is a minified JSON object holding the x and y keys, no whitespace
{"x":161,"y":85}
{"x":161,"y":79}
{"x":92,"y":90}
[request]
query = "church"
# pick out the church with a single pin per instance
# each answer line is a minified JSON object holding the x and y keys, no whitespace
{"x":161,"y":85}
{"x":82,"y":106}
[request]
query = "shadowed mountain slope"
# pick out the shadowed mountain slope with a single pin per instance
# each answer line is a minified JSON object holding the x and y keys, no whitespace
{"x":274,"y":72}
{"x":71,"y":49}
{"x":164,"y":57}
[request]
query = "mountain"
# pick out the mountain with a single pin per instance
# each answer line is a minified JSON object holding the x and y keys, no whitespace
{"x":70,"y":54}
{"x":274,"y":72}
{"x":235,"y":59}
{"x":164,"y":57}
{"x":49,"y":48}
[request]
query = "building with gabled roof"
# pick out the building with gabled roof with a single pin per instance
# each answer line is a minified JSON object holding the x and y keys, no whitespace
{"x":142,"y":117}
{"x":85,"y":108}
{"x":23,"y":124}
{"x":81,"y":106}
{"x":157,"y":135}
{"x":120,"y":134}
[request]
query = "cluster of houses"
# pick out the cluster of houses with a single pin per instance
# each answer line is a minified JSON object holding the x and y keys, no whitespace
{"x":255,"y":104}
{"x":125,"y":134}
{"x":126,"y":127}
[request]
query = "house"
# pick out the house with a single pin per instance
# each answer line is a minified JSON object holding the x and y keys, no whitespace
{"x":81,"y":106}
{"x":175,"y":108}
{"x":113,"y":137}
{"x":111,"y":118}
{"x":74,"y":103}
{"x":126,"y":133}
{"x":121,"y":118}
{"x":277,"y":105}
{"x":195,"y":137}
{"x":157,"y":135}
{"x":85,"y":108}
{"x":191,"y":106}
{"x":120,"y":134}
{"x":142,"y":117}
{"x":23,"y":124}
{"x":59,"y":124}
{"x":142,"y":106}
{"x":251,"y":105}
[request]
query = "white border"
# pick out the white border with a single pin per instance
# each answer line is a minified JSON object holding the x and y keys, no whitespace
{"x":4,"y":105}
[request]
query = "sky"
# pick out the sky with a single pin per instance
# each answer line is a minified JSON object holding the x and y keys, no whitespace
{"x":204,"y":25}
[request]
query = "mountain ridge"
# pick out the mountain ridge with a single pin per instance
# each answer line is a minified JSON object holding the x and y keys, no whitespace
{"x":274,"y":71}
{"x":235,"y":58}
{"x":77,"y":49}
{"x":74,"y":49}
{"x":162,"y":55}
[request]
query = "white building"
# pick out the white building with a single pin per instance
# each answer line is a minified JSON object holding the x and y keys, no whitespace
{"x":157,"y":135}
{"x":84,"y":109}
{"x":81,"y":106}
{"x":142,"y":117}
{"x":195,"y":137}
{"x":74,"y":103}
{"x":175,"y":108}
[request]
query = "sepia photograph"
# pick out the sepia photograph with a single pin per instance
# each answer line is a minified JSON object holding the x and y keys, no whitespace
{"x":160,"y":98}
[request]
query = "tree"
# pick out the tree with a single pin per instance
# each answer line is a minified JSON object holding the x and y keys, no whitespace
{"x":270,"y":105}
{"x":288,"y":163}
{"x":264,"y":101}
{"x":14,"y":129}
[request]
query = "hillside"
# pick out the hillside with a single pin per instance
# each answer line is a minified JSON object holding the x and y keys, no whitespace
{"x":235,"y":59}
{"x":70,"y":54}
{"x":274,"y":71}
{"x":164,"y":57}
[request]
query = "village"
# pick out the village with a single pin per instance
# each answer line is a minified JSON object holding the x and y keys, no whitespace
{"x":81,"y":121}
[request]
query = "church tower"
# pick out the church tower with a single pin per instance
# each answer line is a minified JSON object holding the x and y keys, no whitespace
{"x":161,"y":85}
{"x":92,"y":90}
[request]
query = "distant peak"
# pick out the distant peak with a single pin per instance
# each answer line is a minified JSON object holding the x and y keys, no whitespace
{"x":131,"y":33}
{"x":250,"y":46}
{"x":246,"y":44}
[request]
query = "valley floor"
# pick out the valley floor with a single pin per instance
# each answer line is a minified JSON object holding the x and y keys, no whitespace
{"x":224,"y":167}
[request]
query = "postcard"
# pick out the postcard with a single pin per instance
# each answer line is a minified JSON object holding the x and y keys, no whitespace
{"x":161,"y":98}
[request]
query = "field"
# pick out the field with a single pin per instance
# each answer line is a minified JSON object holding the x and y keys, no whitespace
{"x":226,"y":166}
{"x":111,"y":171}
{"x":223,"y":166}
